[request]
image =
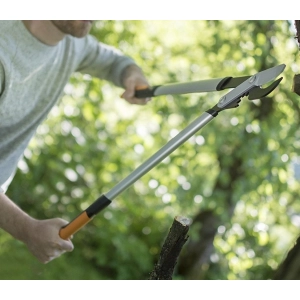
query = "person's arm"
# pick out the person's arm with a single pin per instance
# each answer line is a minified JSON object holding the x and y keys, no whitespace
{"x":106,"y":62}
{"x":40,"y":236}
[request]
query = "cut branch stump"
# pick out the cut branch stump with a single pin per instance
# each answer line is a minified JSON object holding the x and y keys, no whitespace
{"x":171,"y":249}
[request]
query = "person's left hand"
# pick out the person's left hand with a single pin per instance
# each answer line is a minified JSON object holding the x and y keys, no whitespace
{"x":134,"y":79}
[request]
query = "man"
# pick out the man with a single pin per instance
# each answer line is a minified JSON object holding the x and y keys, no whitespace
{"x":37,"y":59}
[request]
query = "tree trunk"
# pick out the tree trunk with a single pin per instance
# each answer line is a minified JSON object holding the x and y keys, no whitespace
{"x":297,"y":26}
{"x":195,"y":260}
{"x":290,"y":267}
{"x":196,"y":257}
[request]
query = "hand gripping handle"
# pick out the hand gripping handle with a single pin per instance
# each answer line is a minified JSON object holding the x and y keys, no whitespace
{"x":85,"y":217}
{"x":144,"y":92}
{"x":71,"y":228}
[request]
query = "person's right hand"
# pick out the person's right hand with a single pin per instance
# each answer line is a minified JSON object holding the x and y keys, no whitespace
{"x":43,"y":239}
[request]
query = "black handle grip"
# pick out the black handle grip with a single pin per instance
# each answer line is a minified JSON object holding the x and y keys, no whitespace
{"x":145,"y":93}
{"x":85,"y":217}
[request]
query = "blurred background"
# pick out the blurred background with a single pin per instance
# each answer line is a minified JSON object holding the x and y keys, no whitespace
{"x":237,"y":179}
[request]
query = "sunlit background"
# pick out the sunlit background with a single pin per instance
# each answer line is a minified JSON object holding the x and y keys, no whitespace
{"x":237,"y":179}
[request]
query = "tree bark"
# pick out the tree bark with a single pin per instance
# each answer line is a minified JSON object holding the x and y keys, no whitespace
{"x":196,"y":255}
{"x":290,"y":267}
{"x":297,"y":26}
{"x":171,"y":249}
{"x":296,"y":84}
{"x":296,"y":80}
{"x":195,"y":261}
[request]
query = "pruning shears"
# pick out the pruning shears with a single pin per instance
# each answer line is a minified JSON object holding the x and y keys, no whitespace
{"x":249,"y":86}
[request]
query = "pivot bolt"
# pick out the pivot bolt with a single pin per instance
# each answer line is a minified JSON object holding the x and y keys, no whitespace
{"x":251,"y":79}
{"x":222,"y":100}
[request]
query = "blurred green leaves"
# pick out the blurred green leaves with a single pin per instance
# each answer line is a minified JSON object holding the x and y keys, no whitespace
{"x":93,"y":139}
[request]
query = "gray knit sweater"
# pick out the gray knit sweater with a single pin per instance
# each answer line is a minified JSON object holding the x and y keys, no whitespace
{"x":32,"y":78}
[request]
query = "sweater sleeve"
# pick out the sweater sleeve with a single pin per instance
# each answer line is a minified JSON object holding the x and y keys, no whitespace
{"x":103,"y":61}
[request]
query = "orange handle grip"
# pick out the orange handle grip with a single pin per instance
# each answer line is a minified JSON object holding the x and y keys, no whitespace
{"x":74,"y":226}
{"x":85,"y":217}
{"x":142,"y":87}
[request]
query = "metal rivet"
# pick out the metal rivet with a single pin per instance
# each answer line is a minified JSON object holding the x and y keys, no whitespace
{"x":222,"y":100}
{"x":251,"y":79}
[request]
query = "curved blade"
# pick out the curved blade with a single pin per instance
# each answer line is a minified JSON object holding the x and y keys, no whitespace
{"x":267,"y":75}
{"x":258,"y":93}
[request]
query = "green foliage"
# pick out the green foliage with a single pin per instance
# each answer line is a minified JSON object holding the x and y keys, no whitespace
{"x":93,"y":139}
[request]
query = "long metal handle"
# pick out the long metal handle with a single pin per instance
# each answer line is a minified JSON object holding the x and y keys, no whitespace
{"x":201,"y":86}
{"x":160,"y":155}
{"x":209,"y":85}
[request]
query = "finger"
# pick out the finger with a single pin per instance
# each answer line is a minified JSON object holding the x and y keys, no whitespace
{"x":129,"y":92}
{"x":142,"y":101}
{"x":66,"y":246}
{"x":131,"y":86}
{"x":50,"y":256}
{"x":139,"y":101}
{"x":49,"y":259}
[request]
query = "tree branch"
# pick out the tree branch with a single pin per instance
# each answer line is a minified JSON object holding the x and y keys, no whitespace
{"x":296,"y":84}
{"x":296,"y":80}
{"x":171,"y":248}
{"x":297,"y":26}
